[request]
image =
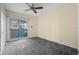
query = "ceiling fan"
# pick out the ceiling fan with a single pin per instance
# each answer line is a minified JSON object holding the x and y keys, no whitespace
{"x":33,"y":8}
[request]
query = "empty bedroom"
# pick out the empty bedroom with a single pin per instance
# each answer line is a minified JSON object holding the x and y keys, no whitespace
{"x":39,"y":28}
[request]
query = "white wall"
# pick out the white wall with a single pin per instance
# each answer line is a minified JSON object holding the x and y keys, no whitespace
{"x":32,"y":27}
{"x":60,"y":25}
{"x":3,"y":26}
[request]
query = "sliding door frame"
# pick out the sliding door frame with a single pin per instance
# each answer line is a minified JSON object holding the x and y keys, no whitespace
{"x":8,"y":27}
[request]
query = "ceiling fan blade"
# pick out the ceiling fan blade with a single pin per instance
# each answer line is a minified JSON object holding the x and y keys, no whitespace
{"x":27,"y":9}
{"x":38,"y":7}
{"x":28,"y":5}
{"x":34,"y":11}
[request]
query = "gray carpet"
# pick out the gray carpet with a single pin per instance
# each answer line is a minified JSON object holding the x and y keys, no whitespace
{"x":33,"y":46}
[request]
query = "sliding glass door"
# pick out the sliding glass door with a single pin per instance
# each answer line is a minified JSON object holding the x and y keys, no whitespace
{"x":18,"y":28}
{"x":23,"y":29}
